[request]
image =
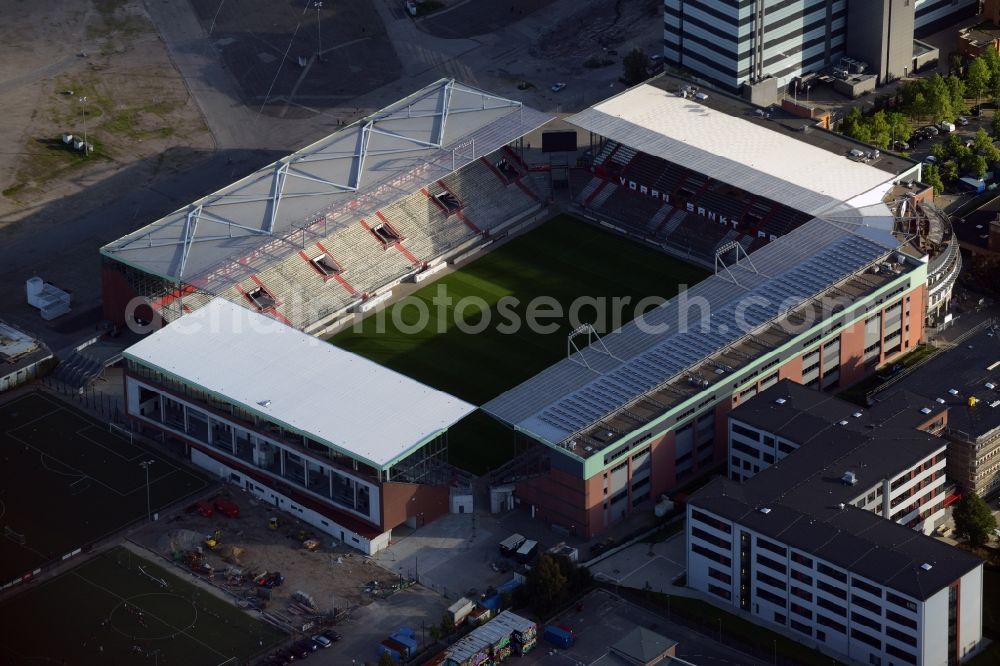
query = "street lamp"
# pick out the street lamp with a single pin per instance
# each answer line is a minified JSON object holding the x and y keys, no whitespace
{"x":720,"y":629}
{"x":83,"y":100}
{"x":145,"y":465}
{"x":319,"y":28}
{"x":775,"y":652}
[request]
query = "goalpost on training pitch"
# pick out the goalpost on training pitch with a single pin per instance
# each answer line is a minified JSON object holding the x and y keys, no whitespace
{"x":120,"y":431}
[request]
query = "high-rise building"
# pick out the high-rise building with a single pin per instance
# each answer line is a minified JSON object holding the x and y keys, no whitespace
{"x":732,"y":43}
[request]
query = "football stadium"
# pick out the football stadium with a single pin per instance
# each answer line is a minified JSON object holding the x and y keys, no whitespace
{"x":794,"y":244}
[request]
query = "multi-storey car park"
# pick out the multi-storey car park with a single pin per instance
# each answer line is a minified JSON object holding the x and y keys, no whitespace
{"x":354,"y":452}
{"x":887,"y":460}
{"x":965,"y":380}
{"x":789,"y":548}
{"x":322,"y":232}
{"x":636,"y":413}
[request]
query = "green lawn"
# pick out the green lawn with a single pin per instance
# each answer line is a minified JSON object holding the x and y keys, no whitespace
{"x":106,"y":611}
{"x":563,"y":259}
{"x":67,"y":481}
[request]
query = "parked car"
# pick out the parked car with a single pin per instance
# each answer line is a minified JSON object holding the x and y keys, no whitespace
{"x":556,"y":87}
{"x":962,"y":120}
{"x":304,"y":648}
{"x":322,"y":641}
{"x":930,"y":159}
{"x":901,"y":145}
{"x":946,"y":127}
{"x":332,"y":635}
{"x":932,"y":130}
{"x":700,"y":96}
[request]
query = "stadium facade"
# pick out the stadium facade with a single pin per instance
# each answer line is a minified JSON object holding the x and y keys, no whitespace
{"x":321,"y":233}
{"x":298,"y":423}
{"x":638,"y":413}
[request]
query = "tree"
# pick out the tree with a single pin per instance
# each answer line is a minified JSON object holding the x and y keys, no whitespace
{"x":938,"y":97}
{"x":636,"y":67}
{"x":947,"y":171}
{"x":447,"y":624}
{"x":880,"y":130}
{"x":979,"y":167}
{"x":385,"y":659}
{"x":956,"y":94}
{"x":977,"y":77}
{"x":900,"y":126}
{"x":932,"y":177}
{"x":973,"y":519}
{"x":547,"y":582}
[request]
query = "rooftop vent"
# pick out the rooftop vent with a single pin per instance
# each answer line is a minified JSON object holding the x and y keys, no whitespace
{"x":841,"y":506}
{"x":926,"y":567}
{"x":780,"y":401}
{"x":843,"y":423}
{"x":940,"y":401}
{"x":849,"y":478}
{"x":990,"y":385}
{"x":856,"y":415}
{"x":264,"y":403}
{"x":925,"y":410}
{"x":995,"y":403}
{"x":953,"y":391}
{"x":993,"y":366}
{"x":764,"y":510}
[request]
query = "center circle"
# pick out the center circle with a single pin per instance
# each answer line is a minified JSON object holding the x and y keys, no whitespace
{"x":132,"y":619}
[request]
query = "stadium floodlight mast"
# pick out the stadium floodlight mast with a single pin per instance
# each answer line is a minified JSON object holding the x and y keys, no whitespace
{"x":83,"y":101}
{"x":319,"y":29}
{"x":145,"y":465}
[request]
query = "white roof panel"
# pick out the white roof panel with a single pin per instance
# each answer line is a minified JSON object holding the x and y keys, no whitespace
{"x":311,"y":386}
{"x":733,"y":150}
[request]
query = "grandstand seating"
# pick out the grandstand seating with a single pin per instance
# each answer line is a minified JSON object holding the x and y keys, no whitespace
{"x":303,"y":295}
{"x":428,"y":230}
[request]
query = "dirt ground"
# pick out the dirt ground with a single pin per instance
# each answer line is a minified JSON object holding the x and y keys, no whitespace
{"x":331,"y":576}
{"x":55,"y":54}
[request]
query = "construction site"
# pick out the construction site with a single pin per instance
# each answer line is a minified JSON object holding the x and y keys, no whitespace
{"x":266,"y":560}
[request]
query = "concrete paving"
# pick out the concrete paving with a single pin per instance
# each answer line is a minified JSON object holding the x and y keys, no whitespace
{"x":642,"y":564}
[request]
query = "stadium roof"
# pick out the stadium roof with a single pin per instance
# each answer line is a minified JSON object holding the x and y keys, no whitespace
{"x":283,"y":375}
{"x":347,"y":175}
{"x":591,"y":384}
{"x":735,"y":151}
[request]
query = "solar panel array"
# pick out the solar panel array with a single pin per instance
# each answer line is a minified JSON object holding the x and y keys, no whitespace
{"x":784,"y":275}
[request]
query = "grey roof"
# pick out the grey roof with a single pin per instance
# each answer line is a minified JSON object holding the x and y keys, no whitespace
{"x":643,"y":645}
{"x":801,"y":414}
{"x":965,"y":369}
{"x":853,"y":539}
{"x":586,"y":387}
{"x":352,"y":173}
{"x":873,"y":447}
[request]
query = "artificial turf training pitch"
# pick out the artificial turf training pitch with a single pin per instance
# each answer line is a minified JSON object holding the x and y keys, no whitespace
{"x":563,"y":259}
{"x":119,"y":608}
{"x":67,"y":481}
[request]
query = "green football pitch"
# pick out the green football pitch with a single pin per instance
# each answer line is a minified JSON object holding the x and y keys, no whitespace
{"x":67,"y":481}
{"x":562,"y":260}
{"x":119,"y":608}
